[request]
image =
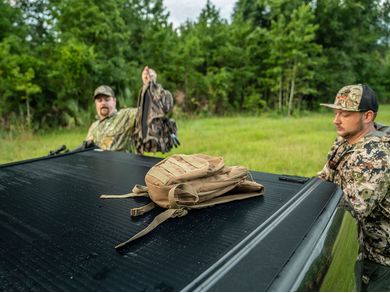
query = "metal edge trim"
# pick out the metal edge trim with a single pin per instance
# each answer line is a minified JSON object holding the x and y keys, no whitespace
{"x":213,"y":274}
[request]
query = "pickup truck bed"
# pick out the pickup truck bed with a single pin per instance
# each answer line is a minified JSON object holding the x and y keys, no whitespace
{"x":56,"y":234}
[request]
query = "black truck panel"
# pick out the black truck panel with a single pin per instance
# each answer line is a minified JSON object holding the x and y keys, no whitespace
{"x":56,"y":234}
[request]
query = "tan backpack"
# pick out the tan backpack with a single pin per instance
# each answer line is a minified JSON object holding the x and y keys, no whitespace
{"x":183,"y":182}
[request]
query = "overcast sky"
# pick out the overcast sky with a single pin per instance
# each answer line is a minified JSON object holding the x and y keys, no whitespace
{"x":181,"y":10}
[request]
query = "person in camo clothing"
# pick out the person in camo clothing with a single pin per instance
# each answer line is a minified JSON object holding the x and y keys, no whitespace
{"x":113,"y":129}
{"x":359,"y":163}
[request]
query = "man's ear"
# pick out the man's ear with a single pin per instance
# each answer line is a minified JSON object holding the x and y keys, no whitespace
{"x":369,"y":116}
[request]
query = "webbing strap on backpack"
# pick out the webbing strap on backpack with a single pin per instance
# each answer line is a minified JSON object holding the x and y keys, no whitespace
{"x":191,"y":197}
{"x":225,"y":199}
{"x":138,"y":191}
{"x":170,"y":213}
{"x":142,"y":210}
{"x":127,"y":195}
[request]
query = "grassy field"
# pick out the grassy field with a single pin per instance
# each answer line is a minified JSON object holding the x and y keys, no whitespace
{"x":276,"y":145}
{"x":294,"y":146}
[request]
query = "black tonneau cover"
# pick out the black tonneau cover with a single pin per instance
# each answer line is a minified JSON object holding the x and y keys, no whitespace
{"x":57,"y":235}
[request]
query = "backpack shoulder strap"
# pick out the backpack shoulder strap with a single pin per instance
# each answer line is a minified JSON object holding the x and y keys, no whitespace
{"x":138,"y":191}
{"x":142,"y":210}
{"x":127,"y":195}
{"x":170,"y":213}
{"x":225,"y":199}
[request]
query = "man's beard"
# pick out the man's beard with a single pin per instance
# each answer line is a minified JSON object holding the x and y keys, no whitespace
{"x":104,"y":111}
{"x":352,"y":134}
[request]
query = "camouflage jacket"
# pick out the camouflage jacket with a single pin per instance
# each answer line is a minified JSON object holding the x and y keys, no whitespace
{"x":114,"y":133}
{"x":362,"y":170}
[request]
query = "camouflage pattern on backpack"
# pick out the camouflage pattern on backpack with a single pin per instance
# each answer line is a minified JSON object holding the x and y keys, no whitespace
{"x":154,"y":131}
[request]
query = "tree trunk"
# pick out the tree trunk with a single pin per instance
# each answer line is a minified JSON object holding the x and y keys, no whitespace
{"x":280,"y":102}
{"x":292,"y":89}
{"x":28,"y":112}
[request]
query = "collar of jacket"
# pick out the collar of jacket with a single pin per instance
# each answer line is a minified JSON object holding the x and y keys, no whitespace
{"x":109,"y":116}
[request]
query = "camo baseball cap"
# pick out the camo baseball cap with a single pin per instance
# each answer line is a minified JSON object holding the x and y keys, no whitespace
{"x":103,"y":90}
{"x":355,"y":98}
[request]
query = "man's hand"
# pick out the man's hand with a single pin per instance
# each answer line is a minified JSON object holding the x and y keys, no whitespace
{"x":148,"y":75}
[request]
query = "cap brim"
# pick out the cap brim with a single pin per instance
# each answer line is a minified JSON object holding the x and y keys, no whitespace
{"x":337,"y":107}
{"x":98,"y":94}
{"x":333,"y":106}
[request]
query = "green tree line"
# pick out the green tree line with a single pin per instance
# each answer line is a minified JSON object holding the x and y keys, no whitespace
{"x":278,"y":55}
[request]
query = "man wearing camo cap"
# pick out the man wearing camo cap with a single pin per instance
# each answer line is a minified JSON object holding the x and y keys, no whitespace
{"x":113,"y":129}
{"x":359,"y":163}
